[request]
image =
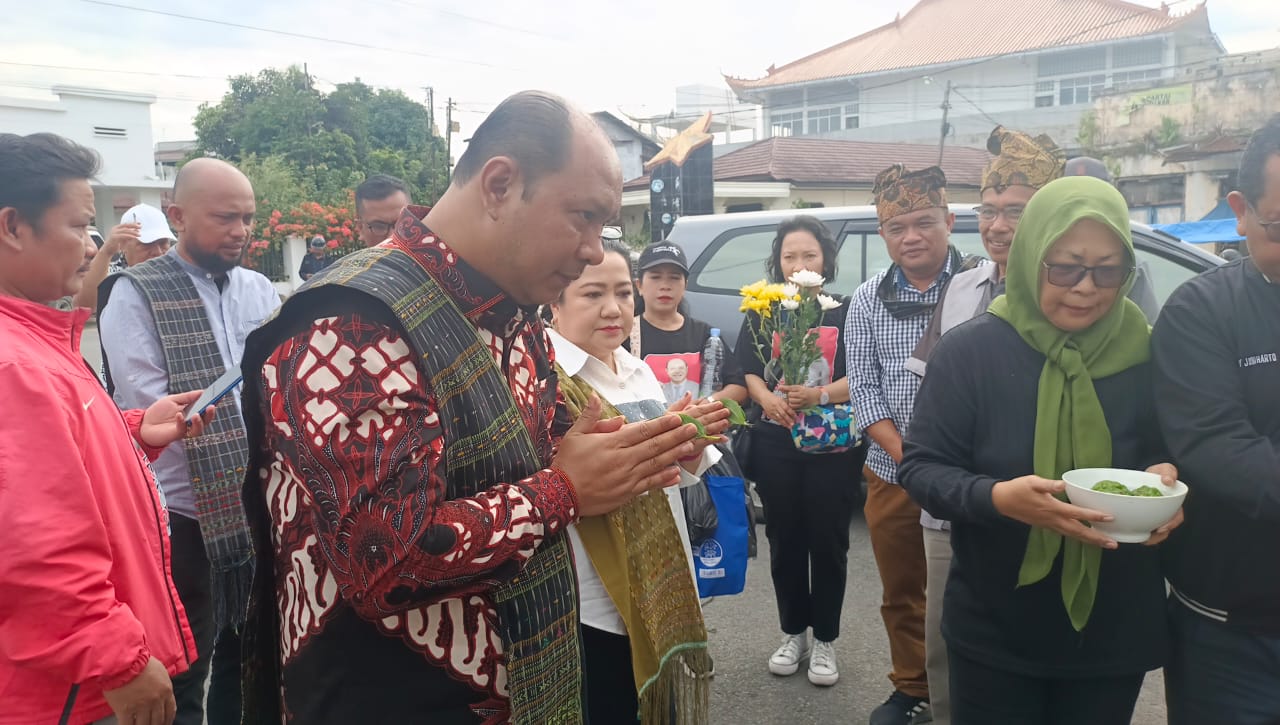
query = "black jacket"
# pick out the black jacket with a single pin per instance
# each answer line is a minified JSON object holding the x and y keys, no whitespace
{"x":974,"y":425}
{"x":1217,"y":358}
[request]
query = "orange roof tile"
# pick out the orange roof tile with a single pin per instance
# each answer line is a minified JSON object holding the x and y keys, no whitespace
{"x":835,"y":161}
{"x":938,"y":32}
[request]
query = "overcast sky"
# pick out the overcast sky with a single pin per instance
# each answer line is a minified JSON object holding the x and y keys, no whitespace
{"x":606,"y":54}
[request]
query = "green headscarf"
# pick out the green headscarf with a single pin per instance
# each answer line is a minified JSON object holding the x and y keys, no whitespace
{"x":1071,"y":431}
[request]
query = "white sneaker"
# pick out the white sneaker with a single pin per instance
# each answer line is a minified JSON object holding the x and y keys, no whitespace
{"x":786,"y":659}
{"x":822,"y":664}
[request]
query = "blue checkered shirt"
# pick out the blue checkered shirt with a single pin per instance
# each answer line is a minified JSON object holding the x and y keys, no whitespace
{"x":877,"y":346}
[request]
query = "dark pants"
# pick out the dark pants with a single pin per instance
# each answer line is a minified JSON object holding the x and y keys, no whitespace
{"x":983,"y":695}
{"x":191,"y":575}
{"x":608,"y":682}
{"x":809,"y":500}
{"x":1219,"y":674}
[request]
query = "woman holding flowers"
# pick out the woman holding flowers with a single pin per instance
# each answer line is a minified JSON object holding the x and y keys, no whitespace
{"x":790,"y":330}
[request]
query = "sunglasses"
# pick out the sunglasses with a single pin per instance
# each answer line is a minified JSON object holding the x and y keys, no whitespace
{"x":1107,"y":276}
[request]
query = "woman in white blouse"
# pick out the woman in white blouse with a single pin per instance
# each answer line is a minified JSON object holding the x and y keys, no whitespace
{"x":644,"y":641}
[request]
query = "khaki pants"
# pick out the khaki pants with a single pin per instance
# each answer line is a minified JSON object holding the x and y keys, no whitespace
{"x":937,"y":552}
{"x":894,"y":522}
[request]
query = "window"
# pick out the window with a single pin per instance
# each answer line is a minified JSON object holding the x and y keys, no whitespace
{"x":1161,"y":276}
{"x":1142,"y":52}
{"x":739,"y":260}
{"x":1071,"y":62}
{"x":110,"y":132}
{"x":1122,"y":79}
{"x":1044,"y":93}
{"x":852,"y":112}
{"x":824,"y":120}
{"x":787,"y":124}
{"x":1072,"y":91}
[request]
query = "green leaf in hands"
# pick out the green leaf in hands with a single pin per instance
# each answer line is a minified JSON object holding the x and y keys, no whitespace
{"x":736,"y":415}
{"x":685,"y":419}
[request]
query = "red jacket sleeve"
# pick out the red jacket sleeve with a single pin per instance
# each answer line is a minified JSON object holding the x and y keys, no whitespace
{"x":351,"y":422}
{"x":58,"y":609}
{"x":133,"y":421}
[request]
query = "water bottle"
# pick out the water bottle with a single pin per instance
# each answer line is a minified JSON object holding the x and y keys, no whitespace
{"x":712,"y":355}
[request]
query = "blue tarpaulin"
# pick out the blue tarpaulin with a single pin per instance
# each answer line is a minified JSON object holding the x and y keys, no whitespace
{"x":1205,"y":231}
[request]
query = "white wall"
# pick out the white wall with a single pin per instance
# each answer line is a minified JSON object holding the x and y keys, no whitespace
{"x":128,"y":163}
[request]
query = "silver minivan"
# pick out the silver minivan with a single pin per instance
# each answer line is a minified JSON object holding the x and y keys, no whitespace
{"x":727,"y":251}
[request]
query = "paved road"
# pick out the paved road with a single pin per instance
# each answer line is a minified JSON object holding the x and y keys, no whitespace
{"x":744,"y":632}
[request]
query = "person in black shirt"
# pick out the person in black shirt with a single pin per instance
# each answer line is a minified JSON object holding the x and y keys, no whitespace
{"x":669,"y":340}
{"x":809,"y":498}
{"x":1216,"y":349}
{"x":1046,"y":620}
{"x":315,"y":260}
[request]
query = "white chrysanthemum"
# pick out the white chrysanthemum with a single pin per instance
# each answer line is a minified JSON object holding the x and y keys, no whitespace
{"x":827,"y":303}
{"x":806,"y":278}
{"x":790,"y":290}
{"x":790,"y":304}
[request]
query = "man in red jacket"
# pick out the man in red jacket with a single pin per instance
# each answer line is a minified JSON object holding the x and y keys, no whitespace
{"x":90,"y":623}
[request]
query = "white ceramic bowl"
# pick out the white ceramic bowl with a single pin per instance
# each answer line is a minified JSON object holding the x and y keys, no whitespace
{"x":1135,"y":516}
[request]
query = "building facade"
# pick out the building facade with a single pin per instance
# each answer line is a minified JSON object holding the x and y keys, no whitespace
{"x":115,"y":124}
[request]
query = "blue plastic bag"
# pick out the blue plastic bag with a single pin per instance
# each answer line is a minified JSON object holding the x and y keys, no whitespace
{"x":720,"y":561}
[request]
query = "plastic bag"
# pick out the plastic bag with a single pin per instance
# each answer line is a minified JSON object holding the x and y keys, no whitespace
{"x":699,"y":512}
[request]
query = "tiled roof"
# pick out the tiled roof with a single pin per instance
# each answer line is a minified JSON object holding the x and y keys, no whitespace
{"x":937,"y":32}
{"x":837,"y":162}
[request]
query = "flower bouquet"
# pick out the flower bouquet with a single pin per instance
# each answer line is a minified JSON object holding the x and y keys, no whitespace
{"x":785,"y":336}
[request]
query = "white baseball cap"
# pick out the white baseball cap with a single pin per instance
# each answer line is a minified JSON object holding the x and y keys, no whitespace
{"x":154,"y":226}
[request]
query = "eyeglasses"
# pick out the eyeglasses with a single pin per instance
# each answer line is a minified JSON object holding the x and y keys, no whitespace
{"x":1011,"y":214}
{"x":1107,"y":276}
{"x":1272,"y":228}
{"x":381,"y":229}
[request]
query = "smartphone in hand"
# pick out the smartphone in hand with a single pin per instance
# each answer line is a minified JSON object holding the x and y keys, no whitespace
{"x":219,"y":390}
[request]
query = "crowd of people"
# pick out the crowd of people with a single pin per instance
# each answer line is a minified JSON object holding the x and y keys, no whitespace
{"x":448,"y":488}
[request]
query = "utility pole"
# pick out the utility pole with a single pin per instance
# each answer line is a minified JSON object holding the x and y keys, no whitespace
{"x":431,"y":130}
{"x":946,"y":106}
{"x":448,"y":143}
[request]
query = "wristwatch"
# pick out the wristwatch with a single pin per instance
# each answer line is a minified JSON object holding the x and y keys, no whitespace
{"x":824,"y":398}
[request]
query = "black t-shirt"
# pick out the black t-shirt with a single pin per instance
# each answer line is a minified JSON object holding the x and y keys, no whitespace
{"x":675,"y":356}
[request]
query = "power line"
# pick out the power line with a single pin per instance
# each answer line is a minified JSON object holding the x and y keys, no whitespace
{"x":291,"y":34}
{"x":112,"y":70}
{"x":473,"y":19}
{"x":45,"y":87}
{"x":956,"y":90}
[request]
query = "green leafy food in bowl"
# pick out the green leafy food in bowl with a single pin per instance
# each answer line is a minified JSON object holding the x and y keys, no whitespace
{"x":1123,"y":490}
{"x":1112,"y":487}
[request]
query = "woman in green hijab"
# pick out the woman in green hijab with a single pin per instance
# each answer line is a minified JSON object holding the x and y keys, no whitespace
{"x":1046,"y":619}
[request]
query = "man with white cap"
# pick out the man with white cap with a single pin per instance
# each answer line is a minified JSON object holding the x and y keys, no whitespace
{"x":143,"y":233}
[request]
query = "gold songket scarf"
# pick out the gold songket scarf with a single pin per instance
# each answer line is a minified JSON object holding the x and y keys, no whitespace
{"x":638,"y":552}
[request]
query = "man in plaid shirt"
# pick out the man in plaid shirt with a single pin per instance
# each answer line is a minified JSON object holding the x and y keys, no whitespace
{"x":887,"y":317}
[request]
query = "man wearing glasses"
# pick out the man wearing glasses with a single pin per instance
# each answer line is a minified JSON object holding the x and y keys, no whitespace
{"x":379,"y":201}
{"x":1216,"y":349}
{"x":1022,"y":165}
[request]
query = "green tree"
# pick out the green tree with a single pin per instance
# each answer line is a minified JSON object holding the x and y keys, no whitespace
{"x":277,"y":122}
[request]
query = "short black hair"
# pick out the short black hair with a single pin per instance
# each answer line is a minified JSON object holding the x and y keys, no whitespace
{"x":1264,"y":144}
{"x":805,"y":223}
{"x":533,"y":127}
{"x":32,"y":169}
{"x":379,"y":187}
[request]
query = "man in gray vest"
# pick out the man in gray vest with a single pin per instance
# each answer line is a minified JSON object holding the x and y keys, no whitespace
{"x":414,"y":472}
{"x":1021,"y":166}
{"x":176,"y":323}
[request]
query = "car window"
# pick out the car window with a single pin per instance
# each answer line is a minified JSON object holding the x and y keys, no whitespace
{"x":738,"y":261}
{"x":1162,"y":275}
{"x":849,"y":263}
{"x":878,"y":255}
